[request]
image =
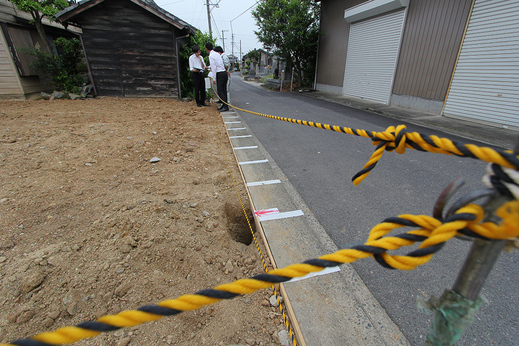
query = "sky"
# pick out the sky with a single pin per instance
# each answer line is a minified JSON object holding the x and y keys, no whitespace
{"x":232,"y":16}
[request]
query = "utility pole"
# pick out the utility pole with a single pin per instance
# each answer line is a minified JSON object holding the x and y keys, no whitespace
{"x":223,"y":39}
{"x":232,"y":44}
{"x":209,"y":18}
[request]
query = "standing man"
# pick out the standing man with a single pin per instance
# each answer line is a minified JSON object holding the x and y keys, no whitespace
{"x":197,"y":67}
{"x":218,"y":70}
{"x":225,"y":59}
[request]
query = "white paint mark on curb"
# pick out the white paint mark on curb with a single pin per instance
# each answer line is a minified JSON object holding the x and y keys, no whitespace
{"x":265,"y":182}
{"x":251,"y":147}
{"x":311,"y":275}
{"x":252,"y":162}
{"x":281,"y":215}
{"x":245,"y":136}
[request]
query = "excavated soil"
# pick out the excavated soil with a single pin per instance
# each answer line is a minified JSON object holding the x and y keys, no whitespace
{"x":90,"y":226}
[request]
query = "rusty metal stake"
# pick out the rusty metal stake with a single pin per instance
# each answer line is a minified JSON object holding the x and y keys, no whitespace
{"x":456,"y":308}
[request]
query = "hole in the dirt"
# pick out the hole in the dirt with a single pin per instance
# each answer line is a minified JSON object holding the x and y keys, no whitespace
{"x":237,"y":223}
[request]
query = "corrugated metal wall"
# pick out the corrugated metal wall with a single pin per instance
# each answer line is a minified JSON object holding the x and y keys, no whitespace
{"x":333,"y":44}
{"x":372,"y":54}
{"x":485,"y":86}
{"x":432,"y":37}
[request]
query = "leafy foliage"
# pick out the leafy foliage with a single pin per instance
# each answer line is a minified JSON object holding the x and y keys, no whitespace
{"x":198,"y":39}
{"x":46,"y":8}
{"x":291,"y":29}
{"x":66,"y":70}
{"x":40,"y":9}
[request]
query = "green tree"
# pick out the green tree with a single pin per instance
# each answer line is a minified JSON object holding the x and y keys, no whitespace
{"x":65,"y":70}
{"x":198,"y":39}
{"x":253,"y":56}
{"x":291,"y":29}
{"x":40,"y":9}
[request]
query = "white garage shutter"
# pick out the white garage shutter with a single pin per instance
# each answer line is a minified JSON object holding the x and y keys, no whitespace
{"x":373,"y":47}
{"x":485,"y":85}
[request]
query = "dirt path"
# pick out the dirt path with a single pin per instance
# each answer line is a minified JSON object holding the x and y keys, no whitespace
{"x":90,"y":226}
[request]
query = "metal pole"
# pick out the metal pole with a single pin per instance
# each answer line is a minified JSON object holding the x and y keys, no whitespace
{"x":292,"y":79}
{"x":281,"y":80}
{"x":223,"y":39}
{"x":209,"y":18}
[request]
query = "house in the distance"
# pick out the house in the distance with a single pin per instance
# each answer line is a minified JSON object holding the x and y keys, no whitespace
{"x":131,"y":46}
{"x":453,"y":58}
{"x":18,"y":79}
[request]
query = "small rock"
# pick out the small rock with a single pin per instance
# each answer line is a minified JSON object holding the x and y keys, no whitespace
{"x":124,"y":341}
{"x":228,"y":266}
{"x":25,"y":316}
{"x":58,"y":95}
{"x":47,"y":323}
{"x":123,"y":289}
{"x":284,"y":338}
{"x":155,"y":159}
{"x":125,"y":248}
{"x":273,"y":301}
{"x":205,"y":213}
{"x":54,"y":314}
{"x":45,"y":96}
{"x":265,"y":302}
{"x":72,"y":309}
{"x":32,"y":280}
{"x":55,"y":261}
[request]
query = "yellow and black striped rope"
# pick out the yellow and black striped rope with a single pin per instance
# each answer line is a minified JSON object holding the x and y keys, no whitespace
{"x":281,"y":309}
{"x":398,"y":139}
{"x":431,"y":232}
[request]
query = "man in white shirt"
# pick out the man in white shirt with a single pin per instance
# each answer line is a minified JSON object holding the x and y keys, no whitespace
{"x":225,"y":59}
{"x":218,"y":70}
{"x":197,"y":67}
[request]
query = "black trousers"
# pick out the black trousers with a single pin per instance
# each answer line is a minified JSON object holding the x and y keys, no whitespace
{"x":221,"y":85}
{"x":199,"y":83}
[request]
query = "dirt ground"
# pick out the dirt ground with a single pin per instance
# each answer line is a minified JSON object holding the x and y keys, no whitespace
{"x":90,"y":226}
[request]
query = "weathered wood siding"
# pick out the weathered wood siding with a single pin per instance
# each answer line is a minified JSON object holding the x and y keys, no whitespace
{"x":131,"y":52}
{"x":430,"y":44}
{"x":9,"y":84}
{"x":7,"y":11}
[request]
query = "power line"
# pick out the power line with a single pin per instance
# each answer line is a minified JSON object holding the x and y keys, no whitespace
{"x":247,"y":9}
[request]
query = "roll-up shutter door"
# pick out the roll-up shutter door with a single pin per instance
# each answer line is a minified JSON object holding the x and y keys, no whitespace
{"x":373,"y":47}
{"x":485,"y":85}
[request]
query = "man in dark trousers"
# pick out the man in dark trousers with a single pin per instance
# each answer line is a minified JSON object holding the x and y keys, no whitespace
{"x":221,"y":78}
{"x":197,"y":67}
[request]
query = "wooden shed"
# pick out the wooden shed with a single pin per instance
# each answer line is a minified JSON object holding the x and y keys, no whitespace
{"x":18,"y":79}
{"x":131,"y":46}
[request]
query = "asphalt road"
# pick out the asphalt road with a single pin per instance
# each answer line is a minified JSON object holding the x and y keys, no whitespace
{"x":320,"y":165}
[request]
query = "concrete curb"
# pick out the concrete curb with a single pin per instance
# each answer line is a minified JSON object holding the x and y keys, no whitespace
{"x":332,"y":309}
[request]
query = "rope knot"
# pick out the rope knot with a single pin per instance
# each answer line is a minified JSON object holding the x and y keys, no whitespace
{"x":393,"y":138}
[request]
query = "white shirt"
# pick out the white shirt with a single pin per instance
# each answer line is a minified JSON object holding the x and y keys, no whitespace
{"x":196,"y":63}
{"x":225,"y":60}
{"x":216,"y":62}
